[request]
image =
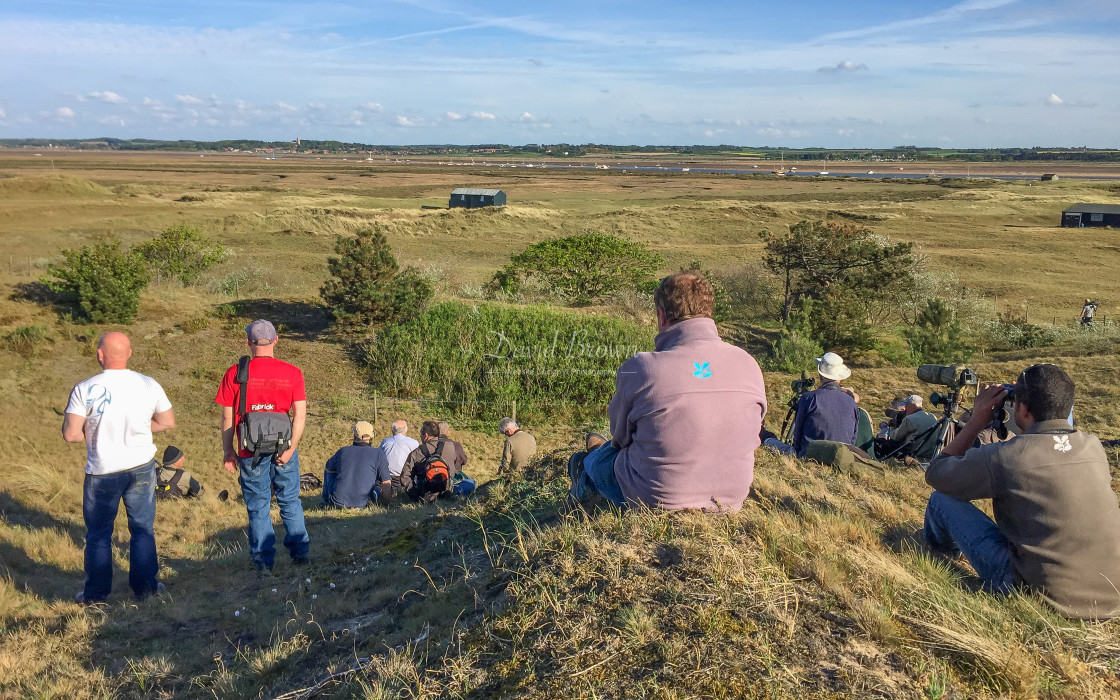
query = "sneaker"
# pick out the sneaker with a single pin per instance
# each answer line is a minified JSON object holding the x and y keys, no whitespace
{"x":161,"y":591}
{"x":80,"y":599}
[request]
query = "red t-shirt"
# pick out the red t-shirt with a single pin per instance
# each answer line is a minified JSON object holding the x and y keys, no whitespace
{"x":273,"y":386}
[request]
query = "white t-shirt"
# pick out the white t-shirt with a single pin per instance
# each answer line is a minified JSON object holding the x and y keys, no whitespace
{"x":118,"y":406}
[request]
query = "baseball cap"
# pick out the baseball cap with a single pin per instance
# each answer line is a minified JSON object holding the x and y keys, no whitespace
{"x":261,"y":332}
{"x":363,"y":430}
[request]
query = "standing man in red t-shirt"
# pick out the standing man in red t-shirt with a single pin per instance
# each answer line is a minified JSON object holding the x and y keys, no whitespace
{"x":273,"y":386}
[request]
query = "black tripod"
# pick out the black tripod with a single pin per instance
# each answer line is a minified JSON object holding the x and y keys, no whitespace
{"x":800,"y":387}
{"x":944,"y":429}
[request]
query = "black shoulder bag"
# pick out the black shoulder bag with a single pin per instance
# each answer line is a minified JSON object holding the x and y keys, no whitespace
{"x":260,"y":432}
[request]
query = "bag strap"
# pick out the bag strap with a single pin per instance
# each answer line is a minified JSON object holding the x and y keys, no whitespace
{"x":243,"y":380}
{"x":173,"y":482}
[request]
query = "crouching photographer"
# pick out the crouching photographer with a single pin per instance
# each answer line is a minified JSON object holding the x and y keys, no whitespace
{"x":1057,"y":521}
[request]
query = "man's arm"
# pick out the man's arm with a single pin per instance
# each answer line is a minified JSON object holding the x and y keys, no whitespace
{"x":507,"y":455}
{"x":623,"y":402}
{"x":164,"y":420}
{"x":905,"y":430}
{"x":74,"y":428}
{"x":229,"y":453}
{"x":962,"y":471}
{"x":299,"y":419}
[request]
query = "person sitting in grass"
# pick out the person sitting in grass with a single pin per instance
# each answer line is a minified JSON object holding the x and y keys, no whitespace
{"x":685,"y":418}
{"x":865,"y":434}
{"x":357,"y":474}
{"x":827,"y":413}
{"x":1057,"y":519}
{"x":397,"y":447}
{"x":431,"y":469}
{"x":518,"y":449}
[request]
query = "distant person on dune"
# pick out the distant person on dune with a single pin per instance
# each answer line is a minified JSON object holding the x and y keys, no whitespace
{"x":685,"y":418}
{"x":115,"y":413}
{"x":1088,"y":311}
{"x":1057,"y":520}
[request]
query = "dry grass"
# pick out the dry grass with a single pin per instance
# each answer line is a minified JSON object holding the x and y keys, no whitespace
{"x":811,"y":590}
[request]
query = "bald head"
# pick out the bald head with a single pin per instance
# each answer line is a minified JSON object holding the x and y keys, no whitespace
{"x":113,"y":351}
{"x":400,"y":427}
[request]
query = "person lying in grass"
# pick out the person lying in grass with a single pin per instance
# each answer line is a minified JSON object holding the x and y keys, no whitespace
{"x":685,"y":417}
{"x":1057,"y":520}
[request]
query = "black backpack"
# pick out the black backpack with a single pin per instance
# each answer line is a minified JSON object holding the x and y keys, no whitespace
{"x":176,"y":483}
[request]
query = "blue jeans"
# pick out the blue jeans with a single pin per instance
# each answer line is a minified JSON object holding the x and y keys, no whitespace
{"x":101,"y":497}
{"x":958,"y":526}
{"x":260,"y":478}
{"x":598,"y":475}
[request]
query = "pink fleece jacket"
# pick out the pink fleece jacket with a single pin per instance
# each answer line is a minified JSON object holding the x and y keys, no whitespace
{"x":686,"y":418}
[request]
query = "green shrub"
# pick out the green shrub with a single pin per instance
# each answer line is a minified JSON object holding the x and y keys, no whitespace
{"x":580,"y":269}
{"x":25,"y":340}
{"x":181,"y":252}
{"x":367,"y":285}
{"x":477,"y":359}
{"x":1013,"y":331}
{"x":795,"y":349}
{"x":936,"y":336}
{"x":102,"y":280}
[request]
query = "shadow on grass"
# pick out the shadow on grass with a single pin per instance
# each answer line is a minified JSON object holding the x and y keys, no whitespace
{"x":301,"y":320}
{"x":46,"y":581}
{"x":64,"y":305}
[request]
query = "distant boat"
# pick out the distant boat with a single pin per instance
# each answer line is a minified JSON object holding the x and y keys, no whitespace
{"x":824,"y":167}
{"x":781,"y":168}
{"x":684,"y":170}
{"x":870,"y":172}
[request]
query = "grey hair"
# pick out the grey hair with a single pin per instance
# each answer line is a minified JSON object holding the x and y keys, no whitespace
{"x":444,"y":428}
{"x":505,"y":423}
{"x":400,"y":427}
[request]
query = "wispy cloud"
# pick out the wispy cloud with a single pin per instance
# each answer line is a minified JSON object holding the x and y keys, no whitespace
{"x":843,"y":67}
{"x":405,"y":121}
{"x":107,"y":97}
{"x":453,"y":116}
{"x":65,"y":113}
{"x":188,"y":100}
{"x":1053,"y":100}
{"x":484,"y":115}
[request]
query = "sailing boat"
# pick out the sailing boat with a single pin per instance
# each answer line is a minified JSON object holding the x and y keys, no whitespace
{"x":782,"y":168}
{"x":824,"y":167}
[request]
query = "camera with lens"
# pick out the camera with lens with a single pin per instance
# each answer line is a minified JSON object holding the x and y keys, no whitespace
{"x":952,"y":376}
{"x":1005,"y":412}
{"x":803,"y":385}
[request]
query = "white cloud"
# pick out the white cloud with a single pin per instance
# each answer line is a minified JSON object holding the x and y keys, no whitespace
{"x":149,"y":102}
{"x":404,"y":121}
{"x":845,"y":132}
{"x":65,"y":113}
{"x":372,"y":107}
{"x":843,"y":67}
{"x":770,"y":131}
{"x":188,"y":100}
{"x":109,"y":97}
{"x":454,"y":116}
{"x":526,"y":117}
{"x":3,"y":114}
{"x":316,"y":105}
{"x":285,"y":107}
{"x":483,"y":115}
{"x":1053,"y":100}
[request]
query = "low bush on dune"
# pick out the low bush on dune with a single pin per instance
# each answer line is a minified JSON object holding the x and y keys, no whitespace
{"x":102,"y":281}
{"x":551,"y":362}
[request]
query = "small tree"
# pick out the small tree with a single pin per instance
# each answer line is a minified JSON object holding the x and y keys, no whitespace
{"x":936,"y":336}
{"x":102,"y":280}
{"x":182,"y":252}
{"x":581,"y":269}
{"x":367,"y":285}
{"x":845,"y":270}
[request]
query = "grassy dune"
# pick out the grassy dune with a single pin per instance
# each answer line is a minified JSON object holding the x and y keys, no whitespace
{"x":815,"y":589}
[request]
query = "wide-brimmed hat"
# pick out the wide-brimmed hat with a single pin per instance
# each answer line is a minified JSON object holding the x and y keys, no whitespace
{"x":832,"y":366}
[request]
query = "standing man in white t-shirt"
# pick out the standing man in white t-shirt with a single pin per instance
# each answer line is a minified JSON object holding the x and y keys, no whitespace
{"x":115,"y":414}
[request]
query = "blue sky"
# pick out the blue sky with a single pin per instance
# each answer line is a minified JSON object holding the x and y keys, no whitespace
{"x":836,"y":74}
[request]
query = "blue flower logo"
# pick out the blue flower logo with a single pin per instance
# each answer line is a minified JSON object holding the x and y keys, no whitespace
{"x":702,"y":371}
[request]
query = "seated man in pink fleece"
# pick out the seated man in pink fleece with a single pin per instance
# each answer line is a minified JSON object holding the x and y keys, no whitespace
{"x":685,"y":417}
